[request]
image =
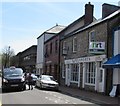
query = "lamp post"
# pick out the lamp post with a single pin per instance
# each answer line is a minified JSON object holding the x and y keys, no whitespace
{"x":9,"y":56}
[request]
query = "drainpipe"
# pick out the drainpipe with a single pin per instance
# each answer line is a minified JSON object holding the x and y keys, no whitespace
{"x":59,"y":64}
{"x":108,"y":55}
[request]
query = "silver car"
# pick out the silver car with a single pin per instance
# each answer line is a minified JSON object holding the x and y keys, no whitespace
{"x":46,"y":82}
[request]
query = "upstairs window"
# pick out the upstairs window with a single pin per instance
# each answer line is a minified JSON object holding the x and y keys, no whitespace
{"x":92,"y":36}
{"x":46,"y":51}
{"x":56,"y":46}
{"x":64,"y":48}
{"x":51,"y":48}
{"x":74,"y":44}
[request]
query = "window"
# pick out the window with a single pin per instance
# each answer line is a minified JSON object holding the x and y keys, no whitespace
{"x":74,"y":44}
{"x":46,"y":51}
{"x":92,"y":36}
{"x":51,"y":48}
{"x":26,"y":58}
{"x":63,"y":70}
{"x":56,"y":46}
{"x":64,"y":48}
{"x":74,"y":72}
{"x":90,"y":73}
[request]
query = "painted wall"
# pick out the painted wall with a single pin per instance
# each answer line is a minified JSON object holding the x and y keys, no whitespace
{"x":40,"y":42}
{"x":116,"y":71}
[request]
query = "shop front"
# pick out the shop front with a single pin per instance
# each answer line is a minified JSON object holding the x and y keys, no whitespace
{"x":114,"y":63}
{"x":86,"y":73}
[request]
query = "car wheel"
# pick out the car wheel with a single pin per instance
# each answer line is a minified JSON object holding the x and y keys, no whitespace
{"x":24,"y":87}
{"x":3,"y":90}
{"x":40,"y":86}
{"x":35,"y":84}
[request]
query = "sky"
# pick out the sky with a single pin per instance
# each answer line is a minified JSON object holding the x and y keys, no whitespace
{"x":22,"y":21}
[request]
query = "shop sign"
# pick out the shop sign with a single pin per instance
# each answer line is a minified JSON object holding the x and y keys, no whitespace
{"x":86,"y":59}
{"x":97,"y":47}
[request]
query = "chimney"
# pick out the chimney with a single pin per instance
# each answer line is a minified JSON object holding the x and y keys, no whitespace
{"x":88,"y":13}
{"x":108,"y":9}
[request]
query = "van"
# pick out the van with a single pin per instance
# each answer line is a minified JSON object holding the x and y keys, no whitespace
{"x":13,"y":78}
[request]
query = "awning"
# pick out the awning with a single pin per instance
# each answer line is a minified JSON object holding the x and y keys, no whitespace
{"x":114,"y":62}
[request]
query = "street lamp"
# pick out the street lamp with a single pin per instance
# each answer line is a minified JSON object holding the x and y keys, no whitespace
{"x":9,"y":56}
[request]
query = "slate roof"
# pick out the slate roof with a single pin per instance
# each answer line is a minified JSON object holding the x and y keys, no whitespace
{"x":56,"y":29}
{"x":99,"y":21}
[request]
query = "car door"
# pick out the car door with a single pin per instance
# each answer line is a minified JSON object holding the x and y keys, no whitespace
{"x":38,"y":82}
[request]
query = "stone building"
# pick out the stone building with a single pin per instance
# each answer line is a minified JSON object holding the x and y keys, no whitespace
{"x":84,"y":50}
{"x":27,"y":59}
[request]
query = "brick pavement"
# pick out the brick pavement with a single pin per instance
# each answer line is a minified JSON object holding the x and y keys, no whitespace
{"x":90,"y":96}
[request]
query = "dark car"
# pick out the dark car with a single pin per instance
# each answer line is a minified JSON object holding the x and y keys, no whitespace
{"x":13,"y":78}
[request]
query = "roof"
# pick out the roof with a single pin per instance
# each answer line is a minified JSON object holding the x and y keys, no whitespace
{"x":74,"y":22}
{"x":77,"y":20}
{"x":33,"y":46}
{"x":99,"y":21}
{"x":54,"y":30}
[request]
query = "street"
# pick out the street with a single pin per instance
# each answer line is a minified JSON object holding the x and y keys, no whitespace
{"x":37,"y":96}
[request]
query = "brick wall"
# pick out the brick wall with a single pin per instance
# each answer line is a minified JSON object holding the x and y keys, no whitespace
{"x":52,"y":58}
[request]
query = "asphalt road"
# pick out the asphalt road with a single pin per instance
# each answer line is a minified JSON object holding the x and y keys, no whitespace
{"x":37,"y":96}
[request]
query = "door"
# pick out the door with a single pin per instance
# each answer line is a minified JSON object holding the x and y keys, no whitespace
{"x":67,"y":78}
{"x":101,"y":80}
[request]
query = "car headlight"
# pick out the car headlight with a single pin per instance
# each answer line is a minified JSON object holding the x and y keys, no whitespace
{"x":22,"y":80}
{"x":44,"y":83}
{"x":4,"y":80}
{"x":56,"y":84}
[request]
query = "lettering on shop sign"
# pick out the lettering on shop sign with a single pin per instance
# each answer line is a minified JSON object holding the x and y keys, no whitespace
{"x":97,"y":47}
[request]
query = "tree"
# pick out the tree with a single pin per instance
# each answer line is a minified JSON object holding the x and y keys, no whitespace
{"x":6,"y":56}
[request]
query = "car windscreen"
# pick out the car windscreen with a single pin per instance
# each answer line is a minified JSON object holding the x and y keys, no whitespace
{"x":48,"y":78}
{"x":12,"y":72}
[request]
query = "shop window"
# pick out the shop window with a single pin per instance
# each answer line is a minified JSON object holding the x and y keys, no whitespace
{"x":90,"y":73}
{"x":101,"y":75}
{"x":63,"y":70}
{"x":74,"y":72}
{"x":74,"y":44}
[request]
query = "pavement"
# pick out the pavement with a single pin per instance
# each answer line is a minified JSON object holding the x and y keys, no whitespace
{"x":93,"y":97}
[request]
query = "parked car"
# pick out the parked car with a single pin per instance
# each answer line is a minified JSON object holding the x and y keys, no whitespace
{"x":47,"y":82}
{"x":13,"y":78}
{"x":34,"y":77}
